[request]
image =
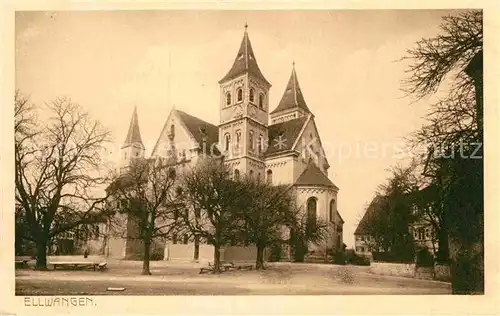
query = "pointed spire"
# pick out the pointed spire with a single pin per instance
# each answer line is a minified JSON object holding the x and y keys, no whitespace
{"x":292,"y":97}
{"x":133,"y":135}
{"x":245,"y":61}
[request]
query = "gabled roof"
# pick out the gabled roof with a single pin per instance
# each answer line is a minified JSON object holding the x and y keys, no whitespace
{"x":283,"y":135}
{"x":133,"y":135}
{"x":313,"y":176}
{"x":292,"y":97}
{"x":245,"y":62}
{"x":200,"y":129}
{"x":371,"y":211}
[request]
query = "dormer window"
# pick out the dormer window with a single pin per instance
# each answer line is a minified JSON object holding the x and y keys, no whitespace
{"x":228,"y":98}
{"x":251,"y":95}
{"x":240,"y":94}
{"x":261,"y":101}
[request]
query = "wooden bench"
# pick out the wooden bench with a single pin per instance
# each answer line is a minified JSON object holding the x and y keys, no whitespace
{"x":243,"y":265}
{"x":225,"y":266}
{"x":75,"y":262}
{"x":22,"y":261}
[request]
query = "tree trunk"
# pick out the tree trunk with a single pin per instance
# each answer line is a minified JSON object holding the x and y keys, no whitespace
{"x":467,"y":268}
{"x":260,"y":257}
{"x":300,"y":251}
{"x":216,"y":259}
{"x":443,"y":250}
{"x":41,"y":254}
{"x":145,"y":262}
{"x":196,"y":248}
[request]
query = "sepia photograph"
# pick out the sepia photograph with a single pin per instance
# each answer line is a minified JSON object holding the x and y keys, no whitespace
{"x":248,"y":152}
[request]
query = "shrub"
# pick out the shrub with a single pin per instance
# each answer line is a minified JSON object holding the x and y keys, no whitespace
{"x":424,"y":258}
{"x":339,"y":257}
{"x":156,"y":255}
{"x":275,"y":253}
{"x":392,"y":257}
{"x":355,"y":259}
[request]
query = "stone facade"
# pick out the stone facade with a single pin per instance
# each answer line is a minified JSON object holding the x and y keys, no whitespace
{"x":283,"y":147}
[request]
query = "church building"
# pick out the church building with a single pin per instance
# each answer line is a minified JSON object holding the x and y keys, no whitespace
{"x":275,"y":143}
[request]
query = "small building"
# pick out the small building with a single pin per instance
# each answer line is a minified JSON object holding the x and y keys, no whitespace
{"x":421,"y":229}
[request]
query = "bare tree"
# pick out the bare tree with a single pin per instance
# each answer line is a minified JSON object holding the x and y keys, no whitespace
{"x":266,"y":211}
{"x":147,"y":196}
{"x":454,"y":132}
{"x":209,"y":193}
{"x":305,"y":230}
{"x":390,"y":213}
{"x":57,"y":165}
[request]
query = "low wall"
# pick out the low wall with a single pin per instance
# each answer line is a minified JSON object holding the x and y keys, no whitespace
{"x":116,"y":248}
{"x":442,"y":272}
{"x":185,"y":252}
{"x":438,"y":272}
{"x":181,"y":252}
{"x":395,"y":269}
{"x":424,"y":273}
{"x":234,"y":253}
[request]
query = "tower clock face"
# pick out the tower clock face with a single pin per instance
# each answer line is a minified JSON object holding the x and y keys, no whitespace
{"x":238,"y":110}
{"x":252,"y":110}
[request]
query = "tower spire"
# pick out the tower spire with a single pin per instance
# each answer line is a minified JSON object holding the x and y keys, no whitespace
{"x":292,"y":97}
{"x":245,"y":61}
{"x":134,"y":134}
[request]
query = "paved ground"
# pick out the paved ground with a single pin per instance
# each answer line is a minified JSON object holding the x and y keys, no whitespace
{"x":183,"y":279}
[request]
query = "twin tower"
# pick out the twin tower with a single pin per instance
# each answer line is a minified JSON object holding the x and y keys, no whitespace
{"x":248,"y":133}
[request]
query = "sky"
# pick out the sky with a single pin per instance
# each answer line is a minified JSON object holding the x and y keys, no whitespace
{"x":346,"y":63}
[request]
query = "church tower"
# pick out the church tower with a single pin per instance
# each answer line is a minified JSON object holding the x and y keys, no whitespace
{"x":292,"y":104}
{"x":133,"y":147}
{"x":244,"y":113}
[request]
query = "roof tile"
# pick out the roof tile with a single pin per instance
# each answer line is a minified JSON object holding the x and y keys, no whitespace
{"x":313,"y":176}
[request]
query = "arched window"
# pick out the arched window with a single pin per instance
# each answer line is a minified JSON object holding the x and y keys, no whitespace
{"x":251,"y":174}
{"x":227,"y":141}
{"x":240,"y":94}
{"x":261,"y":143}
{"x":332,"y":211}
{"x":311,"y":215}
{"x":238,"y":139}
{"x":251,"y":144}
{"x":236,"y":174}
{"x":251,"y":95}
{"x":269,"y":176}
{"x":228,"y":98}
{"x":261,"y":100}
